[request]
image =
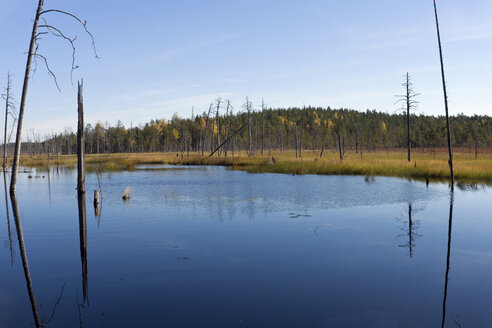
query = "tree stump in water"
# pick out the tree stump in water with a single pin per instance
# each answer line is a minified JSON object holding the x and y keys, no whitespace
{"x":96,"y":198}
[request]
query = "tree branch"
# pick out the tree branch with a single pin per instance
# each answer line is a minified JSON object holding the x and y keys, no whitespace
{"x":84,"y":24}
{"x":50,"y":72}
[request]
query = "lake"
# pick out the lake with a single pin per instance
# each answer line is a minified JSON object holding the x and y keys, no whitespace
{"x":211,"y":247}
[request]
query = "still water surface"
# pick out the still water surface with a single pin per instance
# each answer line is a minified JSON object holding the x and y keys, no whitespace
{"x":209,"y":247}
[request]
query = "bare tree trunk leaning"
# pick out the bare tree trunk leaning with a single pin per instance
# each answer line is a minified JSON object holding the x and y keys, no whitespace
{"x":15,"y":164}
{"x":227,"y":140}
{"x":80,"y":143}
{"x":445,"y":99}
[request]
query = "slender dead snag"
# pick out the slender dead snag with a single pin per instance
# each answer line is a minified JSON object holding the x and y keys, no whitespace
{"x":248,"y":109}
{"x":205,"y":131}
{"x":9,"y":109}
{"x":445,"y":99}
{"x":33,"y":54}
{"x":262,"y":125}
{"x":80,"y":142}
{"x":356,"y":137}
{"x":30,"y":54}
{"x":217,"y":118}
{"x":409,"y":103}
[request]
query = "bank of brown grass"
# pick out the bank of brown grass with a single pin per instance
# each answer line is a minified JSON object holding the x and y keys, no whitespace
{"x":379,"y":163}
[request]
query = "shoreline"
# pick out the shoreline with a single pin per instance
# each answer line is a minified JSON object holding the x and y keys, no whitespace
{"x":423,"y":166}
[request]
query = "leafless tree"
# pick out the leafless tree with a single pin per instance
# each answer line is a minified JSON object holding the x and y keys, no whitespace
{"x":262,"y":125}
{"x":33,"y":54}
{"x":217,"y":118}
{"x":445,"y":98}
{"x":9,"y":110}
{"x":409,"y":103}
{"x":248,"y":107}
{"x":204,"y":134}
{"x":80,"y":142}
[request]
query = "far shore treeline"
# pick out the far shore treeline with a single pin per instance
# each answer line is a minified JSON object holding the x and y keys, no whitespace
{"x":310,"y":128}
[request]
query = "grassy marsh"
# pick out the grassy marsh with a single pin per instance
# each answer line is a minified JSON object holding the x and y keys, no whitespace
{"x":380,"y":163}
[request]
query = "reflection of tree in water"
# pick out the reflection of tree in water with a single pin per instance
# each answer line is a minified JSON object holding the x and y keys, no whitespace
{"x":27,"y":274}
{"x":448,"y":255}
{"x":8,"y":219}
{"x":409,"y":230}
{"x":83,"y":244}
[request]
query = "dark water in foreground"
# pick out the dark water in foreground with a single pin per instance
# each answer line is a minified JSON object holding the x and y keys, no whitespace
{"x":207,"y":247}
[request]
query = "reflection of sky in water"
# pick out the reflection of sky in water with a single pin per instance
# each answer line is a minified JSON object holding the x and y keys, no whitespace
{"x":222,"y":192}
{"x":204,"y":246}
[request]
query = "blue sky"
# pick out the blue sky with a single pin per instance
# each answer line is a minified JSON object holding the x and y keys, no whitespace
{"x":162,"y":57}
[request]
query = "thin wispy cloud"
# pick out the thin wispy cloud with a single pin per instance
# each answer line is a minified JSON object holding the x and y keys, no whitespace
{"x":180,"y":51}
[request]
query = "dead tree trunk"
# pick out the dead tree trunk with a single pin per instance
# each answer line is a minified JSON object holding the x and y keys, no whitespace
{"x":80,"y":143}
{"x":205,"y":131}
{"x":7,"y":108}
{"x":30,"y":53}
{"x":227,"y":140}
{"x":300,"y":144}
{"x":262,"y":126}
{"x":296,"y":142}
{"x":217,"y":118}
{"x":445,"y":100}
{"x":340,"y":148}
{"x":408,"y":115}
{"x":249,"y":127}
{"x":356,"y":138}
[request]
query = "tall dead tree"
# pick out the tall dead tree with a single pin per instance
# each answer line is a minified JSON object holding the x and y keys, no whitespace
{"x":33,"y":54}
{"x":409,"y":103}
{"x":448,"y":132}
{"x":9,"y":110}
{"x":248,"y":110}
{"x":204,"y":135}
{"x":356,"y":137}
{"x":30,"y":54}
{"x":262,"y":125}
{"x":80,"y":142}
{"x":217,"y":118}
